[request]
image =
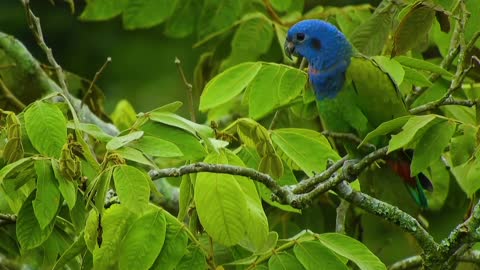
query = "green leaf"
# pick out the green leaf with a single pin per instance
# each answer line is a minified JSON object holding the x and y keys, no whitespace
{"x":274,"y":86}
{"x":67,"y":188}
{"x":134,"y":155}
{"x":12,"y":170}
{"x":413,"y":28}
{"x":430,"y":147}
{"x":252,"y":39}
{"x":463,"y":146}
{"x":467,"y":175}
{"x":29,"y":233}
{"x":47,"y":197}
{"x":315,"y":256}
{"x":221,"y":205}
{"x":156,"y":147}
{"x":46,"y":128}
{"x":422,"y":65}
{"x":143,"y":241}
{"x":186,"y":196}
{"x":124,"y":115}
{"x":75,"y":249}
{"x":175,"y":120}
{"x":218,"y":15}
{"x":370,"y":37}
{"x":392,"y":67}
{"x":92,"y":130}
{"x":386,"y":127}
{"x":175,"y":245}
{"x":416,"y":78}
{"x":146,"y":13}
{"x":192,"y":260}
{"x":308,"y":149}
{"x":119,"y":141}
{"x":353,"y":250}
{"x":132,"y":186}
{"x":183,"y":22}
{"x":228,"y":84}
{"x":91,"y":230}
{"x":439,"y":174}
{"x":415,"y":125}
{"x":97,"y":10}
{"x":284,"y":261}
{"x":115,"y":223}
{"x":190,"y":146}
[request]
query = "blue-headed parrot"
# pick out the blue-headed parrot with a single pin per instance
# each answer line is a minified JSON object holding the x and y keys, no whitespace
{"x":354,"y":94}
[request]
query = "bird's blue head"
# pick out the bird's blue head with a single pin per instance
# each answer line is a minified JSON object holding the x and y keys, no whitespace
{"x":321,"y":43}
{"x":328,"y":53}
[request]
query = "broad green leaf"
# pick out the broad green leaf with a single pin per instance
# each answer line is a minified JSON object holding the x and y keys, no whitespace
{"x":92,"y":130}
{"x":422,"y":65}
{"x":115,"y":223}
{"x":192,"y":260}
{"x":252,"y":39}
{"x":175,"y":245}
{"x":156,"y":147}
{"x":439,"y":174}
{"x":281,"y":5}
{"x":182,"y":23}
{"x":186,"y":142}
{"x":78,"y":215}
{"x":91,"y":230}
{"x":353,"y":250}
{"x":186,"y":196}
{"x":467,"y":175}
{"x":228,"y":84}
{"x":221,"y":205}
{"x":170,"y":107}
{"x":75,"y":249}
{"x":28,"y":230}
{"x":430,"y":147}
{"x":308,"y":149}
{"x":284,"y":261}
{"x":132,"y":186}
{"x":386,"y":128}
{"x":97,"y":10}
{"x":143,"y":241}
{"x":47,"y":196}
{"x":274,"y":86}
{"x":257,"y":225}
{"x":415,"y":125}
{"x":46,"y":128}
{"x":134,"y":155}
{"x":392,"y":67}
{"x":119,"y":141}
{"x":217,"y":15}
{"x":370,"y":37}
{"x":12,"y":170}
{"x":67,"y":188}
{"x":413,"y":28}
{"x":416,"y":77}
{"x":463,"y":146}
{"x":146,"y":13}
{"x":281,"y":35}
{"x":124,"y":115}
{"x":175,"y":120}
{"x":315,"y":256}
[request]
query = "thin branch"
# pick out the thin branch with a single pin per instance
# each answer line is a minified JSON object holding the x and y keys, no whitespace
{"x":347,"y":136}
{"x":390,"y":213}
{"x":274,"y":120}
{"x":408,"y":263}
{"x":95,"y":78}
{"x":342,"y":211}
{"x":10,"y":96}
{"x":272,"y":12}
{"x":189,"y":86}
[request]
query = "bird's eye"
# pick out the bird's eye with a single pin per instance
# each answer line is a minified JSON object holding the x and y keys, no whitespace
{"x":300,"y":36}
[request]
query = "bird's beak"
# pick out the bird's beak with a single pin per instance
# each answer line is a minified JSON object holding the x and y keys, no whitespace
{"x":289,"y":49}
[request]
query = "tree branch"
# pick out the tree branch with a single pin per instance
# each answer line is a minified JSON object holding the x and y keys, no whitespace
{"x":189,"y":86}
{"x":10,"y":96}
{"x":347,"y":136}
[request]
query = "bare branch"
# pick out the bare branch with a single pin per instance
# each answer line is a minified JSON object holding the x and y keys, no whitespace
{"x":10,"y":96}
{"x":94,"y":80}
{"x":189,"y":86}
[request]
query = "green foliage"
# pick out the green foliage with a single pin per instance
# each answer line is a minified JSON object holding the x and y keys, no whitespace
{"x":83,"y":197}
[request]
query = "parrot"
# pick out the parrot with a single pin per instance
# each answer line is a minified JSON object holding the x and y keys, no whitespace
{"x":353,"y":93}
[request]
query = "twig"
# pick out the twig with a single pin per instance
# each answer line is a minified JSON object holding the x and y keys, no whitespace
{"x":342,"y":211}
{"x":390,"y":213}
{"x":274,"y":120}
{"x":34,"y":25}
{"x":10,"y":96}
{"x":7,"y":219}
{"x":95,"y":78}
{"x":347,"y":136}
{"x":189,"y":89}
{"x":272,"y":12}
{"x":408,"y":263}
